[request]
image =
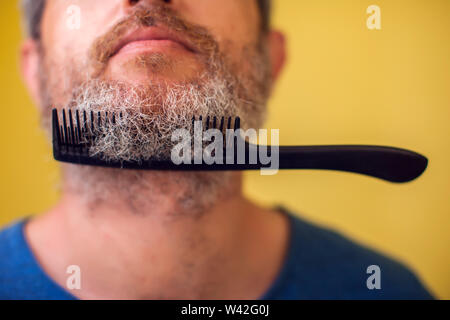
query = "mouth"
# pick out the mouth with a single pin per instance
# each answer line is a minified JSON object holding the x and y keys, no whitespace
{"x":152,"y":39}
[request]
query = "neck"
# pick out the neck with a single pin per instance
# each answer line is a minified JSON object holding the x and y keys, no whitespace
{"x":151,"y":243}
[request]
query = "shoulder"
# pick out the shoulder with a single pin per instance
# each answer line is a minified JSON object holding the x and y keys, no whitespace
{"x":323,"y":264}
{"x":21,"y":278}
{"x":14,"y":260}
{"x":11,"y":243}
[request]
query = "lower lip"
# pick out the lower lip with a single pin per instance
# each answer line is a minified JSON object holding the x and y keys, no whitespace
{"x":152,"y":46}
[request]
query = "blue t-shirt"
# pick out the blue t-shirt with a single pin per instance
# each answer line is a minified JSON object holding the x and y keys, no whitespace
{"x":320,"y":264}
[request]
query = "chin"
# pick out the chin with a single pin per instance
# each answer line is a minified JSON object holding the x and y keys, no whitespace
{"x":139,"y":69}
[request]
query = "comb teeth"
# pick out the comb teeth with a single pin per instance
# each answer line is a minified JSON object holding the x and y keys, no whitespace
{"x":222,"y":123}
{"x":78,"y":129}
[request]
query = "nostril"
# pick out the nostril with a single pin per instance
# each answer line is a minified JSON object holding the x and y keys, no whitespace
{"x":133,"y":2}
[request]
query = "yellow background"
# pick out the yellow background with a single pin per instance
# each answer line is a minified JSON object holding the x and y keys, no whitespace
{"x":343,"y":84}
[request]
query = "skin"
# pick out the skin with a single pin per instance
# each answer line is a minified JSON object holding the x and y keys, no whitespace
{"x":233,"y":251}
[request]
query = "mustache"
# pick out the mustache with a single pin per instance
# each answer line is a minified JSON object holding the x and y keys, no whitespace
{"x":151,"y":15}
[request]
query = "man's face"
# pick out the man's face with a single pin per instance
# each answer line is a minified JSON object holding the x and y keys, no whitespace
{"x":142,"y":41}
{"x":159,"y":63}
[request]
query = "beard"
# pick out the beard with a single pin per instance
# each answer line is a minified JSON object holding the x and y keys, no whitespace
{"x":151,"y":112}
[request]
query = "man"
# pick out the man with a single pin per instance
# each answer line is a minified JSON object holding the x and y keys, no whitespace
{"x":169,"y":235}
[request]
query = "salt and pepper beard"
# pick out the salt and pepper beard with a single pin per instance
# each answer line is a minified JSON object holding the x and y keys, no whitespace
{"x":152,"y":112}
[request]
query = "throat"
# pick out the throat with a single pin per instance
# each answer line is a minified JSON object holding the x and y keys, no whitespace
{"x":165,"y":194}
{"x":232,"y":250}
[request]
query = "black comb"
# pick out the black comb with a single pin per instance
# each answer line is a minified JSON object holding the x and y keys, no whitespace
{"x":73,"y":137}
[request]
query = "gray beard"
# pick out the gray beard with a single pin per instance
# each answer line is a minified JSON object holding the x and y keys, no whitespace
{"x":151,"y":113}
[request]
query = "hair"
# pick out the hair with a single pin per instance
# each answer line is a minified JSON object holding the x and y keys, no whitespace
{"x":265,"y":7}
{"x":33,"y":10}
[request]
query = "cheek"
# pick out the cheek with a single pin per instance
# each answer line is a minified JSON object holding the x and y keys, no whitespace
{"x":70,"y":27}
{"x":233,"y":23}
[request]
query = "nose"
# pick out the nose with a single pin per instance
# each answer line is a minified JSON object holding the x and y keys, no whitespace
{"x":132,"y":3}
{"x":128,"y":5}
